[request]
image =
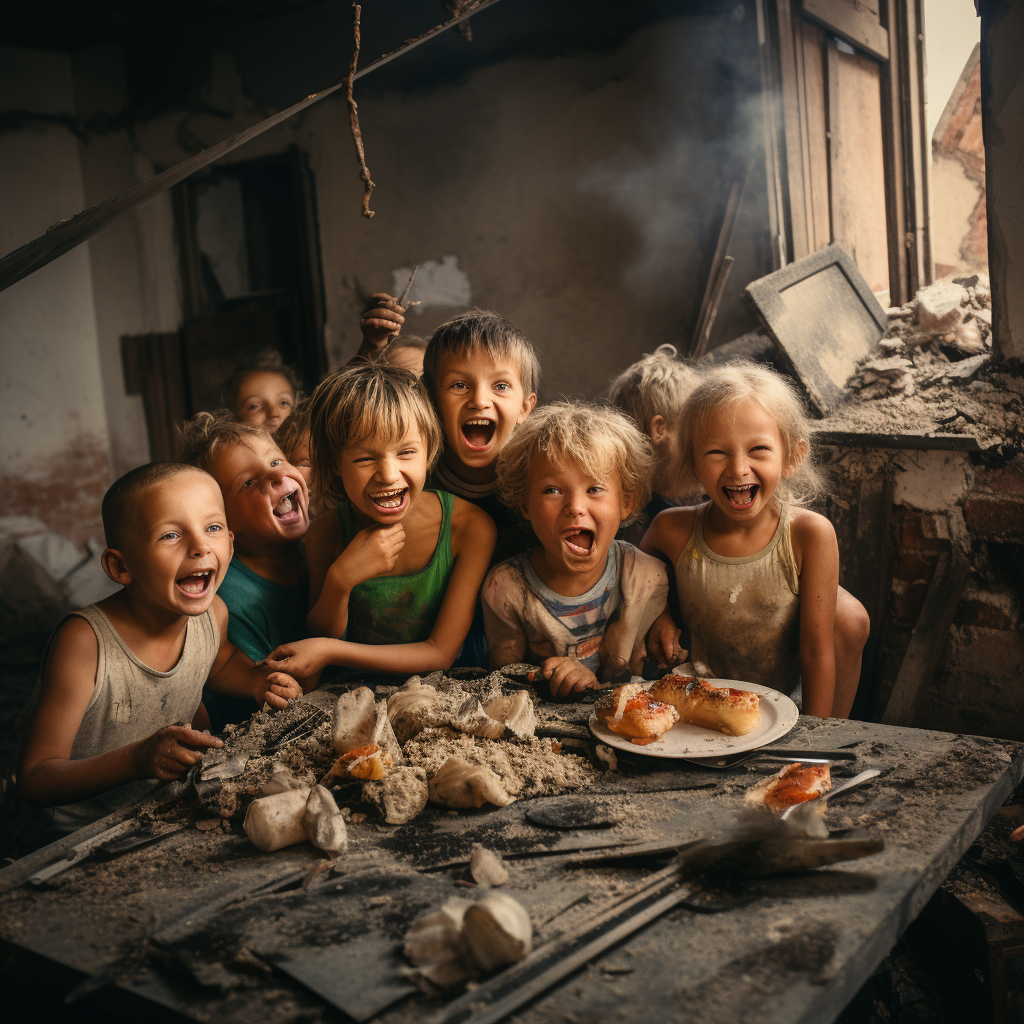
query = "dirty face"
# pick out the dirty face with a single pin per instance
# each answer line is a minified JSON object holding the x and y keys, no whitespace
{"x":575,"y":517}
{"x":480,"y":402}
{"x":178,"y":547}
{"x":384,"y":476}
{"x":739,"y":460}
{"x":265,"y":399}
{"x":266,"y":497}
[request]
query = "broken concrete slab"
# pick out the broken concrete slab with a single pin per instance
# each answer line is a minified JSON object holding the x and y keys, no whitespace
{"x":939,"y":307}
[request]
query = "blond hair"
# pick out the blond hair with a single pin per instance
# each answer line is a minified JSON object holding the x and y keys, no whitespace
{"x":480,"y":330}
{"x":360,"y":402}
{"x":599,"y":439}
{"x":733,"y":383}
{"x":208,"y":432}
{"x":655,"y":385}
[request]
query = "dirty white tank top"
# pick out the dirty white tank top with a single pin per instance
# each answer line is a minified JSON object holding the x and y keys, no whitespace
{"x":743,"y":613}
{"x":131,"y":701}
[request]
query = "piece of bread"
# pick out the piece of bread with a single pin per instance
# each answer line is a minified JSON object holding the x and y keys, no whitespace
{"x":792,"y":785}
{"x":734,"y":712}
{"x":630,"y":711}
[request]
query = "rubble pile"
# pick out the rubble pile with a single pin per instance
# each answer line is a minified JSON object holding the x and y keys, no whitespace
{"x":933,"y":373}
{"x":944,"y":334}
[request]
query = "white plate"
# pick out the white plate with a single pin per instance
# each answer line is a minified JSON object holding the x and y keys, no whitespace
{"x":778,"y":716}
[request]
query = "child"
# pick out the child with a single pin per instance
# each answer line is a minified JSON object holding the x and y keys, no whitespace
{"x":652,"y":392}
{"x":581,"y":602}
{"x":262,"y":392}
{"x":407,"y":351}
{"x":394,"y":568}
{"x":265,"y":588}
{"x":757,"y":574}
{"x":121,"y":679}
{"x":292,"y":438}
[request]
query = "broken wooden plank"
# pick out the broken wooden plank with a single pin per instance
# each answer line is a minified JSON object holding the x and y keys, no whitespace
{"x":906,"y":442}
{"x":930,"y":633}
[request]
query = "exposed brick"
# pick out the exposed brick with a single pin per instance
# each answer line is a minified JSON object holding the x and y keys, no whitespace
{"x":1007,"y":480}
{"x":983,"y":613}
{"x":994,"y":517}
{"x":914,"y":567}
{"x":914,"y":536}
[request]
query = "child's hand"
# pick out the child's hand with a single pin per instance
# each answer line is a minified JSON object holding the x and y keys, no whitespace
{"x":566,"y":676}
{"x":277,"y":689}
{"x":300,"y":659}
{"x":371,"y":552}
{"x":381,"y":322}
{"x":171,"y":751}
{"x":663,"y":642}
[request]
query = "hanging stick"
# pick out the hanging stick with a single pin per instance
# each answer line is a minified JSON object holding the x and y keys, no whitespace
{"x":408,"y":288}
{"x":353,"y":115}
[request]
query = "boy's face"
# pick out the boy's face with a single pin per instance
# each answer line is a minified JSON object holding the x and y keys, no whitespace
{"x":383,"y":476}
{"x":574,"y":515}
{"x":178,"y":547}
{"x":266,"y":498}
{"x":481,"y":402}
{"x":265,"y":399}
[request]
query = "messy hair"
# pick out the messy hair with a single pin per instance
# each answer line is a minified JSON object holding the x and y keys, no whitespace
{"x":359,"y":402}
{"x":289,"y":434}
{"x":733,"y":383}
{"x":481,"y":331}
{"x":267,"y":361}
{"x":118,"y":508}
{"x":599,"y":439}
{"x":405,"y":341}
{"x":209,"y":432}
{"x":655,"y":385}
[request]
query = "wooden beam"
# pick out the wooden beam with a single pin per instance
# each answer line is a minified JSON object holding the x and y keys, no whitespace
{"x":859,"y":28}
{"x":930,"y":634}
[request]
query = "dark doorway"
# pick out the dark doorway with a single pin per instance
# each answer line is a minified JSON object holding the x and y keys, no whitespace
{"x":250,"y":271}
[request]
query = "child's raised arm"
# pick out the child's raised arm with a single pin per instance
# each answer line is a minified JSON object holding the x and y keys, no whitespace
{"x":47,"y":775}
{"x":332,"y":576}
{"x":473,"y":534}
{"x":234,"y":673}
{"x":817,"y":555}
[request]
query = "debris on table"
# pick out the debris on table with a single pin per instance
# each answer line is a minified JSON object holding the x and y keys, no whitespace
{"x":486,"y":867}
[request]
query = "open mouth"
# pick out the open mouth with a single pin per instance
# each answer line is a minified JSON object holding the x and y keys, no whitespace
{"x":287,"y":509}
{"x":742,"y":497}
{"x":579,"y":542}
{"x":197,"y":583}
{"x":390,"y":501}
{"x":478,"y":433}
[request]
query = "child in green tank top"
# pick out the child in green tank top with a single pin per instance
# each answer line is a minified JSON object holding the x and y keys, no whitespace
{"x":394,"y":569}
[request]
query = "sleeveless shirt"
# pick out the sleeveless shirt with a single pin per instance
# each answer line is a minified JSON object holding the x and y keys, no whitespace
{"x":743,"y":613}
{"x":131,"y":701}
{"x":400,"y":609}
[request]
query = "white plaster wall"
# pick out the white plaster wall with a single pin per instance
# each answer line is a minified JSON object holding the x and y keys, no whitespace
{"x":932,"y":481}
{"x":953,"y":199}
{"x":53,"y":392}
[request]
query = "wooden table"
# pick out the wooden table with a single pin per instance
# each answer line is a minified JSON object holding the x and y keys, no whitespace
{"x":182,"y":928}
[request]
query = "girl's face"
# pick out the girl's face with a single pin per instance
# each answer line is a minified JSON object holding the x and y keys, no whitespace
{"x":739,"y":460}
{"x":384,"y":476}
{"x":574,"y":515}
{"x":265,"y":399}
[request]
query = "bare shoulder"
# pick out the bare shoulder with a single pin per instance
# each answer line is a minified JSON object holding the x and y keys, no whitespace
{"x":471,"y":522}
{"x":810,"y":528}
{"x":73,"y":656}
{"x":324,"y":533}
{"x":219,"y":611}
{"x":669,"y":531}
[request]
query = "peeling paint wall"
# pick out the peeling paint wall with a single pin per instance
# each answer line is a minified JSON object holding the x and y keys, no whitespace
{"x":53,"y":418}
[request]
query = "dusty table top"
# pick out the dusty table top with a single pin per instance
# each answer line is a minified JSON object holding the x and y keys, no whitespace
{"x":201,"y":922}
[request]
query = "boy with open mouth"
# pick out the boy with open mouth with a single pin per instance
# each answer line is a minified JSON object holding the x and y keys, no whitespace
{"x":580,"y":603}
{"x":121,"y":679}
{"x":265,"y":588}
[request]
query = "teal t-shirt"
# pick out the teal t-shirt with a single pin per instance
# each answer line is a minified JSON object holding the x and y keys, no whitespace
{"x":261,"y":616}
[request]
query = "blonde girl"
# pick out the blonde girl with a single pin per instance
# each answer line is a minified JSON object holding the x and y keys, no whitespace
{"x":394,"y":568}
{"x":757,"y":573}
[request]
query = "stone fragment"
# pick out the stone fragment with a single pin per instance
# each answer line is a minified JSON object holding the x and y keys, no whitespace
{"x":400,"y":796}
{"x":354,"y":721}
{"x":939,"y":307}
{"x":486,"y":867}
{"x":274,"y":822}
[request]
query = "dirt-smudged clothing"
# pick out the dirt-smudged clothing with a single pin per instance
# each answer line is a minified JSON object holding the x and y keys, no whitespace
{"x":743,"y":613}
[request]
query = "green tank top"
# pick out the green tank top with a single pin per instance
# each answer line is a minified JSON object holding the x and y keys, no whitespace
{"x":400,"y":609}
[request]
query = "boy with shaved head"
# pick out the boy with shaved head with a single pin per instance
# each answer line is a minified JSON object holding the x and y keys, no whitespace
{"x":122,"y":679}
